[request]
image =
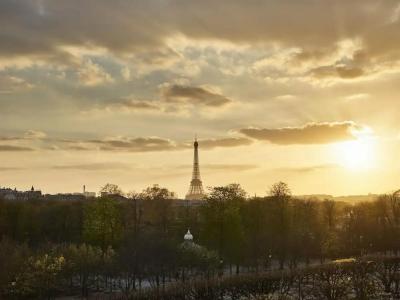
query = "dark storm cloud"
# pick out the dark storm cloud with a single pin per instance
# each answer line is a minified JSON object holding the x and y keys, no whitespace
{"x":312,"y":133}
{"x":194,"y":95}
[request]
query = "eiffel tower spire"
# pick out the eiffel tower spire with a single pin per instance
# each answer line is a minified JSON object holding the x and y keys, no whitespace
{"x":196,"y":191}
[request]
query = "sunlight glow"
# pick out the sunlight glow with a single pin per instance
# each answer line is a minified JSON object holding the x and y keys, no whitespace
{"x":356,"y":155}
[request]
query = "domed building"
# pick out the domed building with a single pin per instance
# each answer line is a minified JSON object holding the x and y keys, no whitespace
{"x":195,"y":257}
{"x":188,"y":237}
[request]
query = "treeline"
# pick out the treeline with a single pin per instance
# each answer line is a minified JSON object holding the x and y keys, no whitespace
{"x":51,"y":248}
{"x":362,"y":279}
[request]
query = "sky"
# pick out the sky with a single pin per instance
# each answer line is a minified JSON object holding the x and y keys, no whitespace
{"x":98,"y":91}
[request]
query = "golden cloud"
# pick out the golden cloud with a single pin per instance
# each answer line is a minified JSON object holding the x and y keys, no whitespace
{"x":312,"y":133}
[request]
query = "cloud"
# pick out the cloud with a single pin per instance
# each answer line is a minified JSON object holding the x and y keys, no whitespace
{"x":286,"y":97}
{"x":93,"y":166}
{"x":335,"y":71}
{"x":396,"y":15}
{"x":5,"y":169}
{"x":10,"y":84}
{"x":140,"y":144}
{"x":139,"y":105}
{"x":118,"y":143}
{"x":35,"y":134}
{"x":10,"y":138}
{"x":224,"y":142}
{"x":26,"y":136}
{"x":307,"y":169}
{"x":310,"y":39}
{"x":174,"y":99}
{"x":41,"y":140}
{"x":55,"y":22}
{"x":194,"y":95}
{"x":228,"y":167}
{"x":91,"y":74}
{"x":345,"y":60}
{"x":133,"y":105}
{"x":128,"y":104}
{"x":312,"y":133}
{"x":221,"y":167}
{"x":359,"y":96}
{"x":151,"y":144}
{"x":126,"y":73}
{"x":13,"y":148}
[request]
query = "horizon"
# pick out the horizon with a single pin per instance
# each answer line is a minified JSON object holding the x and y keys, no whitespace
{"x":250,"y":195}
{"x":311,"y":102}
{"x":185,"y":175}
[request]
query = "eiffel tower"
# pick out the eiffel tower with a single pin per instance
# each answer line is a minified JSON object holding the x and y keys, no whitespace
{"x":196,"y":191}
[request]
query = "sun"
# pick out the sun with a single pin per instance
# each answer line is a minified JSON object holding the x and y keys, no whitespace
{"x":356,"y":155}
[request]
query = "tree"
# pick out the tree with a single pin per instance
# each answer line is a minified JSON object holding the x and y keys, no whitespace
{"x":281,"y":195}
{"x":329,"y":213}
{"x":84,"y":262}
{"x":280,"y":190}
{"x":158,"y":202}
{"x":40,"y":277}
{"x":255,"y":220}
{"x":102,"y":223}
{"x":111,"y":189}
{"x":158,"y":214}
{"x":223,"y":222}
{"x":12,"y":262}
{"x":303,"y":230}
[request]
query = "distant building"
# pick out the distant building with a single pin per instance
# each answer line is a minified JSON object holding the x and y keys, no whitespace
{"x":15,"y":195}
{"x":64,"y":197}
{"x":86,"y":194}
{"x":72,"y":196}
{"x":196,"y":191}
{"x":8,"y":194}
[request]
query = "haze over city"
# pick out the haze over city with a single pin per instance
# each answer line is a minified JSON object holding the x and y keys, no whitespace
{"x":114,"y":91}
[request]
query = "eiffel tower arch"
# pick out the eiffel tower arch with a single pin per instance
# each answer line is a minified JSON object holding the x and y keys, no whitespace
{"x":196,"y":191}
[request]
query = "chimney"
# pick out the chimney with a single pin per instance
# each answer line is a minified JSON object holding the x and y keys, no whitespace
{"x":84,"y":189}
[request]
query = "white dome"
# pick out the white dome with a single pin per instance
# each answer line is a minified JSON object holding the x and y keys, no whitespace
{"x":188,"y":236}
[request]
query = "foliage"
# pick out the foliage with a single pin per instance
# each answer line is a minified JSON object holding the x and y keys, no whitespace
{"x":223,"y":221}
{"x":51,"y":248}
{"x":102,"y":223}
{"x":39,"y":277}
{"x":111,"y":189}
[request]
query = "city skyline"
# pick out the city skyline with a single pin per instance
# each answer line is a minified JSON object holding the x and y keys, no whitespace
{"x":304,"y":93}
